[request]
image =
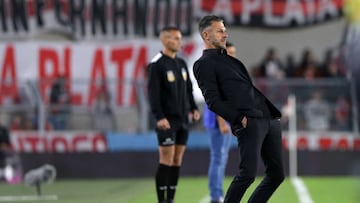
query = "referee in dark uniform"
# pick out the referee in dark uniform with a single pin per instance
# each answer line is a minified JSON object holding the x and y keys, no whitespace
{"x":171,"y":101}
{"x":255,"y":121}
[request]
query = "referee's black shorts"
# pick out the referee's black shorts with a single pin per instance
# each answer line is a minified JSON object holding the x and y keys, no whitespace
{"x":177,"y":134}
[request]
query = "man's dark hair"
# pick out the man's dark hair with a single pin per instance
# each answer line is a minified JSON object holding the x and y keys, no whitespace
{"x":170,"y":28}
{"x":229,"y":44}
{"x":207,"y":20}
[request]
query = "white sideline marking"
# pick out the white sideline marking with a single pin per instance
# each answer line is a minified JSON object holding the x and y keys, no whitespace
{"x":301,"y":190}
{"x":205,"y":199}
{"x":27,"y":198}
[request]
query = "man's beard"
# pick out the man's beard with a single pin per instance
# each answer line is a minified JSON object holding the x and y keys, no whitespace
{"x":174,"y":49}
{"x":218,"y":45}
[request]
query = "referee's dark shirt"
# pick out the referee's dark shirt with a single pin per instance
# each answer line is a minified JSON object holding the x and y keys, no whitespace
{"x":228,"y":89}
{"x":170,"y":88}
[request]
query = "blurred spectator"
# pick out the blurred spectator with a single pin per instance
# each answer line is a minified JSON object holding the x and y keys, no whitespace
{"x":104,"y":119}
{"x":35,"y":123}
{"x":326,"y":60}
{"x":331,"y":65}
{"x":290,"y":65}
{"x":59,"y":104}
{"x":271,"y":66}
{"x":310,"y":72}
{"x":341,"y":61}
{"x":332,"y":70}
{"x":306,"y":58}
{"x":17,"y":123}
{"x":342,"y":114}
{"x":307,"y":67}
{"x":255,"y":71}
{"x":317,"y":112}
{"x":23,"y":105}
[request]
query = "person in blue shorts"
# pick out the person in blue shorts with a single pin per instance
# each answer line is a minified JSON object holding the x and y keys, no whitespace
{"x":220,"y":141}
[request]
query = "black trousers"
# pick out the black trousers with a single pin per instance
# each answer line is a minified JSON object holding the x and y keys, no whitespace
{"x":261,"y":138}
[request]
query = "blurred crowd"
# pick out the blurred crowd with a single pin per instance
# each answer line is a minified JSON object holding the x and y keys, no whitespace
{"x":322,"y":106}
{"x":272,"y":67}
{"x":59,"y":110}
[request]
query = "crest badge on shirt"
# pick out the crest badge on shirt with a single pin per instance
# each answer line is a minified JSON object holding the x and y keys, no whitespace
{"x":184,"y":73}
{"x":170,"y":76}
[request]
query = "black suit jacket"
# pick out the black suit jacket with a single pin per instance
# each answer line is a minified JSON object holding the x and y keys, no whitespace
{"x":228,"y":89}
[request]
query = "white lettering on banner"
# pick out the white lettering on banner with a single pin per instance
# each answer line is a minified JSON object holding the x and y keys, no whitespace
{"x":223,"y":8}
{"x":86,"y":66}
{"x":326,"y":7}
{"x":269,"y":17}
{"x":295,"y":13}
{"x":120,"y":63}
{"x":325,"y":141}
{"x":248,"y":7}
{"x":58,"y":142}
{"x":273,"y":13}
{"x":310,"y":7}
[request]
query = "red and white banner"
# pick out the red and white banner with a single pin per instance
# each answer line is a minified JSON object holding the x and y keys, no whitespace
{"x":324,"y":141}
{"x":90,"y":141}
{"x":89,"y":19}
{"x":126,"y":19}
{"x":272,"y":13}
{"x":85,"y":65}
{"x":58,"y":142}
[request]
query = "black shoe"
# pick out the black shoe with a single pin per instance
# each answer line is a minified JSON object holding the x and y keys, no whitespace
{"x":215,"y":202}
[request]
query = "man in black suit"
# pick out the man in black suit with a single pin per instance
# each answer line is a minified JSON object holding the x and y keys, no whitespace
{"x":255,"y":121}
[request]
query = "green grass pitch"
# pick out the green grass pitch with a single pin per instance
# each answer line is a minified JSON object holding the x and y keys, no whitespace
{"x":190,"y":190}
